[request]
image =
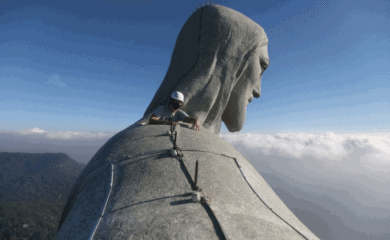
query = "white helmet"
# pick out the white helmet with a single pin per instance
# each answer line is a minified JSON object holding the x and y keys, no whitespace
{"x":178,"y":96}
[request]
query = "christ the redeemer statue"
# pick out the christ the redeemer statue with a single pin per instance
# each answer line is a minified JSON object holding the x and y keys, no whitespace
{"x":172,"y":182}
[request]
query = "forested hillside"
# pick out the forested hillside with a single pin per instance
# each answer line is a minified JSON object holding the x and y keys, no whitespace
{"x":33,"y":191}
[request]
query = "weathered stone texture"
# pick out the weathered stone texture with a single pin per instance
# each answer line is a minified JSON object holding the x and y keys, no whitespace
{"x":151,"y":195}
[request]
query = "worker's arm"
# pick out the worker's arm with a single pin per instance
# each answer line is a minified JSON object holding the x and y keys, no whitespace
{"x":156,"y":120}
{"x":194,"y":121}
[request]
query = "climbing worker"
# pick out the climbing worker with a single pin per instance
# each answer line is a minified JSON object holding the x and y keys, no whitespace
{"x":166,"y":114}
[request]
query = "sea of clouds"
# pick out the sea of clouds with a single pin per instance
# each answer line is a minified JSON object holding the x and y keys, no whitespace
{"x":337,"y":184}
{"x":351,"y":152}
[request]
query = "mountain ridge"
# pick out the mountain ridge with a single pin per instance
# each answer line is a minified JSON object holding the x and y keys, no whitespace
{"x":33,"y":193}
{"x":37,"y":176}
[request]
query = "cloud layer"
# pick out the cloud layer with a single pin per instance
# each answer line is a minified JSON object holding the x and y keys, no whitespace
{"x":80,"y":146}
{"x":337,"y":184}
{"x":63,"y":135}
{"x":369,"y":150}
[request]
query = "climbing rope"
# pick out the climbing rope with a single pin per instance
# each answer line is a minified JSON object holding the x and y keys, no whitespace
{"x":177,"y":152}
{"x":258,"y":195}
{"x":244,"y":176}
{"x":97,"y":171}
{"x":105,"y":204}
{"x":124,"y":158}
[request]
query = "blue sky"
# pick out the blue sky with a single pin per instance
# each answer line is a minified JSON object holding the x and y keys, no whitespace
{"x":95,"y":66}
{"x":68,"y":69}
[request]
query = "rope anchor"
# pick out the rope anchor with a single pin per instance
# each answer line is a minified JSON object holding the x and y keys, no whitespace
{"x":196,"y":175}
{"x":174,"y":144}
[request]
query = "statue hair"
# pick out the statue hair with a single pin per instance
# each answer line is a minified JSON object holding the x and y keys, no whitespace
{"x":211,"y":51}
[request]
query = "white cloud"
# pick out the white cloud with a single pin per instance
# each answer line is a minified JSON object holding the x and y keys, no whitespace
{"x":64,"y":135}
{"x":33,"y":130}
{"x":80,"y":146}
{"x":55,"y":80}
{"x":370,"y":150}
{"x":76,"y":135}
{"x":342,"y":180}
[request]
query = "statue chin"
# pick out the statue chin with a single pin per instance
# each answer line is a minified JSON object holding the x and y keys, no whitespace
{"x":234,"y":119}
{"x":233,"y":126}
{"x":143,"y":183}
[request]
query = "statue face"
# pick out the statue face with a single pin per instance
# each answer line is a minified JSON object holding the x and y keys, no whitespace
{"x":247,"y":87}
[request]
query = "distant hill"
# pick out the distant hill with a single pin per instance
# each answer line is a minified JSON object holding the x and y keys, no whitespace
{"x":33,"y":191}
{"x":37,"y":176}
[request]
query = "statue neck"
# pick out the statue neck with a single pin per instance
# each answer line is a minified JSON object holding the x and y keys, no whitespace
{"x":216,"y":127}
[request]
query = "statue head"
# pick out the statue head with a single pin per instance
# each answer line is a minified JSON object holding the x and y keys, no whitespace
{"x":217,"y":63}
